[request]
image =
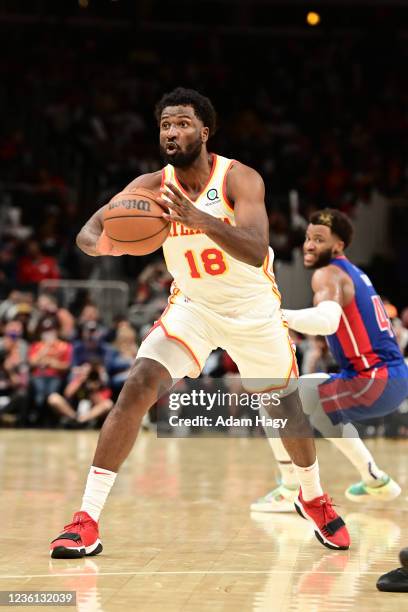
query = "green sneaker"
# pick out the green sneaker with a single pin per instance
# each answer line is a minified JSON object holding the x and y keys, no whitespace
{"x":361,"y":492}
{"x":280,"y":499}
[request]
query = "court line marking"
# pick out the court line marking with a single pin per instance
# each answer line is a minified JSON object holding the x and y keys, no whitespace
{"x":177,"y":573}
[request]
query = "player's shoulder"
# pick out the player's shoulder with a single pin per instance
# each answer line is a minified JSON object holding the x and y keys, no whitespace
{"x":241,"y":176}
{"x":326,"y":274}
{"x":150,"y":180}
{"x":238,"y":169}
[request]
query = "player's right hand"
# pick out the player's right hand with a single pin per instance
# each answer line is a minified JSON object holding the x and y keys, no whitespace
{"x":105,"y":246}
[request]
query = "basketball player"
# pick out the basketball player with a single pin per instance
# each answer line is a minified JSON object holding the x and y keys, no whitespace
{"x":396,"y":581}
{"x":224,"y":294}
{"x":373,"y":380}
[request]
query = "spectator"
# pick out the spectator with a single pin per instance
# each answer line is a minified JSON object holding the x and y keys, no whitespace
{"x":49,"y":360}
{"x":91,"y":347}
{"x":34,"y":266}
{"x":46,"y":308}
{"x":13,"y":343}
{"x":13,"y":373}
{"x":90,"y":314}
{"x":86,"y":397}
{"x":317,"y":356}
{"x":126,"y":347}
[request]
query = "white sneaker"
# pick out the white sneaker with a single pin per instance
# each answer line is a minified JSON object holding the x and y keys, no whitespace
{"x":280,"y":499}
{"x":361,"y":492}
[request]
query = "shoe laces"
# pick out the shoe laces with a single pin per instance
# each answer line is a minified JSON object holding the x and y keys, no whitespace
{"x":78,"y":523}
{"x":328,"y":508}
{"x":325,"y":503}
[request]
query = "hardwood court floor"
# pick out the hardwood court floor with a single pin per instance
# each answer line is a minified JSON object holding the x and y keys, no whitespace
{"x":178,"y":534}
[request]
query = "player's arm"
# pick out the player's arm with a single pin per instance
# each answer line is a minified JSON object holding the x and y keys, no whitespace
{"x":92,"y":240}
{"x":324,"y":318}
{"x":248,"y":240}
{"x":89,"y":235}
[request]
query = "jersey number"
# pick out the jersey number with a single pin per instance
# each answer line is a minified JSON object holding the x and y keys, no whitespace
{"x":212,"y":260}
{"x":382,"y":318}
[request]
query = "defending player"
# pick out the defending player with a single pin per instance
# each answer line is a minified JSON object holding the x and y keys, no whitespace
{"x":373,"y":380}
{"x":224,"y":294}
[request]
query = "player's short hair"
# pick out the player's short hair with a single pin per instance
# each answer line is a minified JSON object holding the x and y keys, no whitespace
{"x":338,"y":222}
{"x":202,"y":105}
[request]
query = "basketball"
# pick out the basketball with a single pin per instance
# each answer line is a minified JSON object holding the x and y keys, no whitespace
{"x":133,"y":221}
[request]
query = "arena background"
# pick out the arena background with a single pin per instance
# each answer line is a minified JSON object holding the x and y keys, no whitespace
{"x":319,"y":110}
{"x":314,"y":95}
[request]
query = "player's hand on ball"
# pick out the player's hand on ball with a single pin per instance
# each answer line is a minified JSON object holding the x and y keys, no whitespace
{"x":182,"y":210}
{"x":105,"y":246}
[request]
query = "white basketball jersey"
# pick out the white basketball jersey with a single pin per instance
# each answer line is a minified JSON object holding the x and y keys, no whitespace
{"x":203,"y":272}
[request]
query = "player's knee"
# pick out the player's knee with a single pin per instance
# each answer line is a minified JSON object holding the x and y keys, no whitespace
{"x":146,"y":382}
{"x":309,"y":392}
{"x":149,"y":373}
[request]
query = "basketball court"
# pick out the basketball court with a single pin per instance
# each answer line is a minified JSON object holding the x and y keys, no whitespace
{"x":178,"y":534}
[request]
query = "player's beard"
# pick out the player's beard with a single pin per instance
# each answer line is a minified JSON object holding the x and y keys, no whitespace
{"x":182,"y":159}
{"x":322,"y":260}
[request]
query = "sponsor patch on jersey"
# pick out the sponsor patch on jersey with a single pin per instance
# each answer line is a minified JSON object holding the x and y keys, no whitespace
{"x":212,"y":194}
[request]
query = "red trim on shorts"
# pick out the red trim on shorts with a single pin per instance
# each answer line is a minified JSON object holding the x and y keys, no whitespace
{"x":159,"y":323}
{"x":173,"y":337}
{"x":348,"y":393}
{"x":293,"y":369}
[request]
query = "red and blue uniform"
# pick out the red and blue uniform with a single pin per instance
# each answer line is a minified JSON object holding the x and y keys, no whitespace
{"x":373,"y":380}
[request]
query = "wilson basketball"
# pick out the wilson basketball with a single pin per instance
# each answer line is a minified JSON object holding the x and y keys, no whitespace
{"x":133,"y":221}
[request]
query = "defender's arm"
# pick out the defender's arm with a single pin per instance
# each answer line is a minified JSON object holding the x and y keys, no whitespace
{"x":324,"y":318}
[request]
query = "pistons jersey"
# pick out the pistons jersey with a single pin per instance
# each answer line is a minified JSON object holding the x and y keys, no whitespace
{"x":205,"y":273}
{"x":364,"y":338}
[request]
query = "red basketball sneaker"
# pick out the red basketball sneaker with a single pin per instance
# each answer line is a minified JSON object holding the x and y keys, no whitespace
{"x":329,"y":527}
{"x":79,"y":539}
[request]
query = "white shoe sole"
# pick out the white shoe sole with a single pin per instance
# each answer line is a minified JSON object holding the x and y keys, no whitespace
{"x":392,"y":491}
{"x":322,"y":539}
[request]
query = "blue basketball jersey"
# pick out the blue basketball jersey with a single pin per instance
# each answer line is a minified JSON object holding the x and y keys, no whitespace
{"x":365,"y":338}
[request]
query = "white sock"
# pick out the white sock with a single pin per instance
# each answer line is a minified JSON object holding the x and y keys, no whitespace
{"x":309,"y":481}
{"x":98,"y":486}
{"x":287,"y":471}
{"x":356,"y":451}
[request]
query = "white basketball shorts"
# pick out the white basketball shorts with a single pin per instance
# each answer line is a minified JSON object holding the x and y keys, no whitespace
{"x":187,"y":332}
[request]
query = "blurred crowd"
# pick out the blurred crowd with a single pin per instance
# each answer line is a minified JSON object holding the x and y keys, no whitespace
{"x":66,"y":366}
{"x":324,"y":119}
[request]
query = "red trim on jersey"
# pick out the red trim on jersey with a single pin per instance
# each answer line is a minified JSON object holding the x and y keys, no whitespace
{"x":224,"y":186}
{"x":348,"y":393}
{"x":271,"y":276}
{"x":354,"y":339}
{"x":163,"y":177}
{"x":214,"y":164}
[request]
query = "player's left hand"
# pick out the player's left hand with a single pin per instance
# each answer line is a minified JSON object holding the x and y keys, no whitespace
{"x":182,"y":210}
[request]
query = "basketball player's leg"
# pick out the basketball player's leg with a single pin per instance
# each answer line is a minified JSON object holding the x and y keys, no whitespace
{"x":268,"y":357}
{"x":374,"y":482}
{"x":147,"y":381}
{"x":160,"y":361}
